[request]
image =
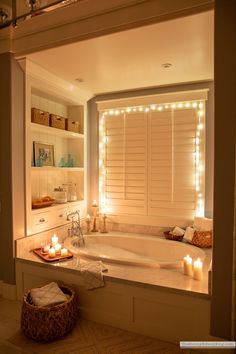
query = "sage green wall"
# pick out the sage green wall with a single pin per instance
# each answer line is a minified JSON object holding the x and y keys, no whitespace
{"x":93,"y":134}
{"x":11,"y":91}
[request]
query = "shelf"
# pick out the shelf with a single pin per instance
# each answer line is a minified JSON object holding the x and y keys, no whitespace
{"x":53,"y":168}
{"x":57,"y":206}
{"x":55,"y":132}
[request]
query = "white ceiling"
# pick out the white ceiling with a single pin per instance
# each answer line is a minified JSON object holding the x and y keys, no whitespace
{"x":132,"y":59}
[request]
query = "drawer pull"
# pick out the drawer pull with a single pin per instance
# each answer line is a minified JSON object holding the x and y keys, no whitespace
{"x":60,"y":215}
{"x":42,"y":220}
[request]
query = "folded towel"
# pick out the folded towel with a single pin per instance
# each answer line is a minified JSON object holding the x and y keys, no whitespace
{"x":178,"y":231}
{"x":92,"y":274}
{"x":47,"y":295}
{"x":188,"y":235}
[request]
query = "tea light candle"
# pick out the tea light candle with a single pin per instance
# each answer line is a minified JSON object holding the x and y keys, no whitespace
{"x":54,"y":239}
{"x":197,"y":269}
{"x":52,"y":252}
{"x":57,"y":248}
{"x":64,"y":252}
{"x":188,"y":265}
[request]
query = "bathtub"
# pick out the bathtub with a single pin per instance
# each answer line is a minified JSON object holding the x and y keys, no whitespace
{"x":134,"y":249}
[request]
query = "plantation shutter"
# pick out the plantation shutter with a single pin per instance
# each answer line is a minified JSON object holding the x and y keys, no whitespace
{"x":171,"y":181}
{"x":126,"y":163}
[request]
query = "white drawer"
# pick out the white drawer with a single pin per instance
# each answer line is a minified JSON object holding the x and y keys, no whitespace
{"x":44,"y":220}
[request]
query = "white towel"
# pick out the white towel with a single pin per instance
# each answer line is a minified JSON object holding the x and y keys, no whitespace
{"x":178,"y":231}
{"x":188,"y":236}
{"x":47,"y":295}
{"x":92,"y":274}
{"x":203,"y":224}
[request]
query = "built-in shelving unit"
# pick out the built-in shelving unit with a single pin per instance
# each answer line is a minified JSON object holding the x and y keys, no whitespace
{"x":48,"y":93}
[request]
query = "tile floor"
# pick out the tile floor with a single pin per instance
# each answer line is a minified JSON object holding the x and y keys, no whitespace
{"x":87,"y":338}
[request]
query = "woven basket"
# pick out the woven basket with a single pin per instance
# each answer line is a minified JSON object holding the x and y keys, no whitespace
{"x":57,"y":122}
{"x":170,"y":236}
{"x":202,"y":239}
{"x":45,"y":324}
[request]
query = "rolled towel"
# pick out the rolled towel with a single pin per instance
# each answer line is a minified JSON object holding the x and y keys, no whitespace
{"x":178,"y":231}
{"x":48,"y":295}
{"x":188,"y":235}
{"x":92,"y":274}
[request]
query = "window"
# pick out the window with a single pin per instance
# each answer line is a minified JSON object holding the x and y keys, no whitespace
{"x":152,"y":161}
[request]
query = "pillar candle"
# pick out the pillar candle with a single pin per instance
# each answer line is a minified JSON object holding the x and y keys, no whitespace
{"x":188,"y":265}
{"x":52,"y":252}
{"x":57,"y":248}
{"x":64,"y":252}
{"x":197,"y":269}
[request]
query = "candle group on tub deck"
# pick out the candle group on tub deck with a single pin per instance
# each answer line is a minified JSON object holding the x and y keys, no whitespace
{"x":55,"y":249}
{"x":194,"y":269}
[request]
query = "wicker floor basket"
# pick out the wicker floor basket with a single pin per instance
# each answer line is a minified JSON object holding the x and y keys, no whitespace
{"x":45,"y":324}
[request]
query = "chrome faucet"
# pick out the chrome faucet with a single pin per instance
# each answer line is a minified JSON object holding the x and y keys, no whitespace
{"x":75,"y":229}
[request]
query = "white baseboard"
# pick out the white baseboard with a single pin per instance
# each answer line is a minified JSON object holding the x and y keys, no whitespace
{"x":7,"y":291}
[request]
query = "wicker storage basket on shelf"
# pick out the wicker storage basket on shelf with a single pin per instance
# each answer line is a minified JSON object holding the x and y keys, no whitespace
{"x":57,"y":122}
{"x":72,"y":125}
{"x":202,"y":239}
{"x":40,"y":117}
{"x":45,"y":324}
{"x":170,"y":236}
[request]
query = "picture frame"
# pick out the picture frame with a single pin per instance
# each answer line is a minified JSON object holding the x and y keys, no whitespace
{"x":43,"y":154}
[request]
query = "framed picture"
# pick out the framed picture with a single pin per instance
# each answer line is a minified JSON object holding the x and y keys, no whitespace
{"x":43,"y":154}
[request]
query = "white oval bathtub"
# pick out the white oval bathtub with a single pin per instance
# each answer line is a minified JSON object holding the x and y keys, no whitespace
{"x":134,"y":249}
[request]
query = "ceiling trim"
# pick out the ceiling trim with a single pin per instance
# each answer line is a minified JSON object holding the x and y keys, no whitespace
{"x":99,"y":18}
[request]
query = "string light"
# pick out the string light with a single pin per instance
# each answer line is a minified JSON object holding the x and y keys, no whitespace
{"x":199,"y":107}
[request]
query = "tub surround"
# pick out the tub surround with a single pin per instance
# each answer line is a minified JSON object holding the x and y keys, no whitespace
{"x":161,"y":303}
{"x":172,"y":279}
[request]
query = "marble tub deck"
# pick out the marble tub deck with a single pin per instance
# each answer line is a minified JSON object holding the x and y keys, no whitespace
{"x":172,"y":279}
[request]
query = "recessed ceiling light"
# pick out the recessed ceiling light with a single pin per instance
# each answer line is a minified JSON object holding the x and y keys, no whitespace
{"x":166,"y":65}
{"x":79,"y":79}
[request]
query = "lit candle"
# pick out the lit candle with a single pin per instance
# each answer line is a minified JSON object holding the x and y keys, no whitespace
{"x":57,"y":248}
{"x":188,"y":265}
{"x":54,"y":239}
{"x":64,"y":252}
{"x":197,"y":269}
{"x":52,"y":252}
